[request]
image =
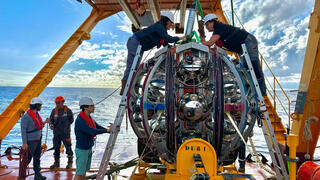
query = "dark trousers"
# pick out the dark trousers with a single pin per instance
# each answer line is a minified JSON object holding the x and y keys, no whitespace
{"x":35,"y":153}
{"x":242,"y":154}
{"x":252,"y":48}
{"x":132,"y":46}
{"x":57,"y":139}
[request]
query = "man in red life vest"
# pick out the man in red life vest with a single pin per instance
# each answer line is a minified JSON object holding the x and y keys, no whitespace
{"x":61,"y":119}
{"x":86,"y":130}
{"x":31,"y":133}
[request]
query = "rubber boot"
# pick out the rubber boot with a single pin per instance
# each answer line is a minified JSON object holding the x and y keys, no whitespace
{"x":38,"y":176}
{"x":70,"y":161}
{"x":123,"y":85}
{"x":242,"y":167}
{"x":56,"y":163}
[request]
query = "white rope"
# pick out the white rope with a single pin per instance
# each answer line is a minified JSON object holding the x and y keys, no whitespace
{"x":252,"y":145}
{"x":238,"y":131}
{"x":307,"y":134}
{"x":140,"y":158}
{"x":258,"y":159}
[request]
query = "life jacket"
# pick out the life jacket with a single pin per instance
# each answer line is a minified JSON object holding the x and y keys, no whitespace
{"x":161,"y":42}
{"x":219,"y":43}
{"x":89,"y":121}
{"x":38,"y":123}
{"x":56,"y":112}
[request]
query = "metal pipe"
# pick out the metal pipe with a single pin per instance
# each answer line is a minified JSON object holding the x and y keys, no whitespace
{"x":191,"y":18}
{"x":293,"y":141}
{"x":232,"y":13}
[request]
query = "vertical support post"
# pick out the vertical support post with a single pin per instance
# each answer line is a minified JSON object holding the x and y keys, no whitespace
{"x":293,"y":141}
{"x":274,"y":94}
{"x":191,"y":18}
{"x":232,"y":13}
{"x":0,"y":151}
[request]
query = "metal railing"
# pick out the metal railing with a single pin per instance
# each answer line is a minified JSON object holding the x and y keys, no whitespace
{"x":272,"y":91}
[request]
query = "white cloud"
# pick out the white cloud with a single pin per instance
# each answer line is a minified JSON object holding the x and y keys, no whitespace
{"x":126,"y":23}
{"x":285,"y":67}
{"x":113,"y":36}
{"x":113,"y":55}
{"x":281,"y":29}
{"x":85,"y":78}
{"x":99,"y":32}
{"x":115,"y":45}
{"x":15,"y":78}
{"x":44,"y":55}
{"x":292,"y":78}
{"x":88,"y":51}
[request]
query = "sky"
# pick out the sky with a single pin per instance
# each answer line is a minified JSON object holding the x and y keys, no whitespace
{"x":32,"y":31}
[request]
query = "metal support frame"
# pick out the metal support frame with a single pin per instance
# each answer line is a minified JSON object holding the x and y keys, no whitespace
{"x":155,"y":9}
{"x":183,"y":11}
{"x":118,"y":120}
{"x":274,"y":151}
{"x":126,"y":8}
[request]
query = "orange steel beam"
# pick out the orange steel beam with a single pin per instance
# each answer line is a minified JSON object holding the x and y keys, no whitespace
{"x":10,"y":116}
{"x":308,"y":98}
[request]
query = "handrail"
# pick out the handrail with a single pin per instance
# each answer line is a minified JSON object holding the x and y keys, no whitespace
{"x":275,"y":81}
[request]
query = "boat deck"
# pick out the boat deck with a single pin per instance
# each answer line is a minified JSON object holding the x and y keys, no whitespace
{"x":12,"y":170}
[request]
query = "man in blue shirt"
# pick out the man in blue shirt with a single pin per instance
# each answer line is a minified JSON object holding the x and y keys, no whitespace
{"x":154,"y":35}
{"x":86,"y":130}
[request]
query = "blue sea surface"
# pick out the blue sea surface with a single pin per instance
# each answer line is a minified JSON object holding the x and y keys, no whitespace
{"x":104,"y":114}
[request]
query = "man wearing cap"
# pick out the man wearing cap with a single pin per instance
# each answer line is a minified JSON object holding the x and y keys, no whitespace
{"x":61,"y":119}
{"x":31,"y":133}
{"x":86,"y":130}
{"x":154,"y":35}
{"x":231,"y":38}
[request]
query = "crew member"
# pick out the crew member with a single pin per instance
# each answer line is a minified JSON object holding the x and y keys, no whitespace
{"x":86,"y":130}
{"x":154,"y":35}
{"x":31,"y":133}
{"x":231,"y":38}
{"x":61,"y":119}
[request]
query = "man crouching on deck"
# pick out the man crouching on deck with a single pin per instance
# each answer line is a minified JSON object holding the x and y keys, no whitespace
{"x":31,"y":132}
{"x":86,"y":130}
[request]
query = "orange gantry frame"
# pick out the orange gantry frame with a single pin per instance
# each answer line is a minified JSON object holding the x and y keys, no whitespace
{"x":308,"y":99}
{"x":101,"y":10}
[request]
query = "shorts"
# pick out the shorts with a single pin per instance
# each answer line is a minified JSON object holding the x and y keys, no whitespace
{"x":83,"y":160}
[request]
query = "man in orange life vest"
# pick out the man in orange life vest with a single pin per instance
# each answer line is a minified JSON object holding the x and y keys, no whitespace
{"x":61,"y":119}
{"x":86,"y":130}
{"x":31,"y":133}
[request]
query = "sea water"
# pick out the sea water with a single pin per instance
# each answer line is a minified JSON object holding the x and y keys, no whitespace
{"x":105,"y":112}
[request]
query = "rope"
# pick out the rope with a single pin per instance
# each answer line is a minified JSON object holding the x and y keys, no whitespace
{"x":23,"y":163}
{"x":252,"y":145}
{"x":107,"y":96}
{"x":142,"y":154}
{"x":46,"y":135}
{"x":102,"y":99}
{"x":307,"y":134}
{"x":258,"y":159}
{"x":238,"y":131}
